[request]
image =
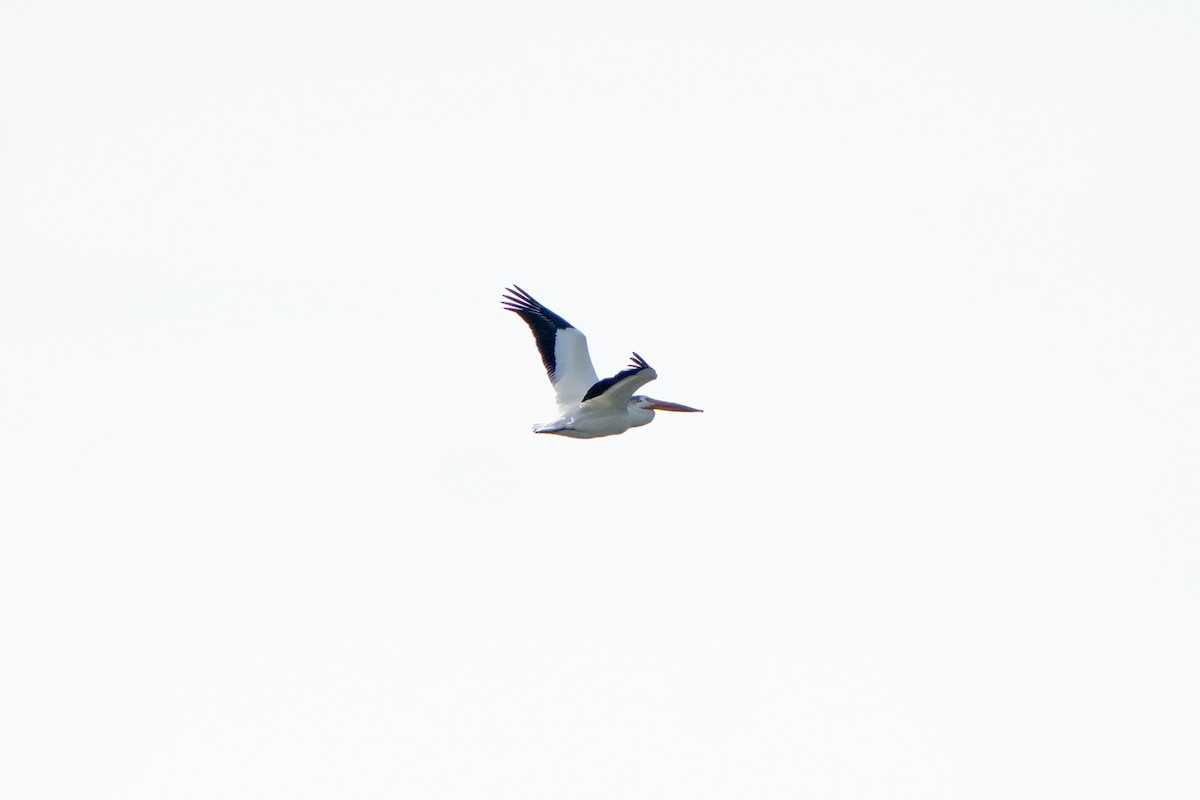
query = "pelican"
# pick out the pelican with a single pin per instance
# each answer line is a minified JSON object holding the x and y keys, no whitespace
{"x":589,"y":407}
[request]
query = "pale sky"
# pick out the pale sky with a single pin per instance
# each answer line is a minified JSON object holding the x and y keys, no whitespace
{"x":273,"y":522}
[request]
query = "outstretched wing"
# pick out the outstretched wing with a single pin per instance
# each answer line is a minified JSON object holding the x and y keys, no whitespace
{"x":618,"y":389}
{"x":563,"y":347}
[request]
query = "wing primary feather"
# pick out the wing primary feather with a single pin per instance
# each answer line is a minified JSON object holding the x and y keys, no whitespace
{"x":523,"y":303}
{"x":543,"y":322}
{"x":638,"y":361}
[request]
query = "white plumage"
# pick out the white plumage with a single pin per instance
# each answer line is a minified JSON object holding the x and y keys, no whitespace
{"x":588,"y":407}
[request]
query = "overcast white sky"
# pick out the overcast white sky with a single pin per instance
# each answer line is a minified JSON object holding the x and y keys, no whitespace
{"x":273,"y":521}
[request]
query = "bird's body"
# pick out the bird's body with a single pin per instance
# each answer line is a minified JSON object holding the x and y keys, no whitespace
{"x":589,"y":407}
{"x":585,"y":425}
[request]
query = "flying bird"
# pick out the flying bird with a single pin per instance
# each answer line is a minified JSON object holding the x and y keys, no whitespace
{"x":589,"y":407}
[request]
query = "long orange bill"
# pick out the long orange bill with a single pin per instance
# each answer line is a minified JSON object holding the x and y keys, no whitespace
{"x":659,"y":405}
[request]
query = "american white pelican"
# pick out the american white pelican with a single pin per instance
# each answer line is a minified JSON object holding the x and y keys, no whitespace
{"x":589,"y":407}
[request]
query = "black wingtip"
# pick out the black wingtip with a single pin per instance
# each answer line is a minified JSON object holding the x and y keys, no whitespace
{"x":517,"y":299}
{"x":522,"y":302}
{"x":544,"y":323}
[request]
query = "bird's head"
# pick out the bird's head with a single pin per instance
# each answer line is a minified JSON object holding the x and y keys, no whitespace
{"x":649,"y":403}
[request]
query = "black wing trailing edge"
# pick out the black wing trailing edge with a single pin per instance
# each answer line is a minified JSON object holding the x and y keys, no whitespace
{"x":637,"y":364}
{"x":544,"y":323}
